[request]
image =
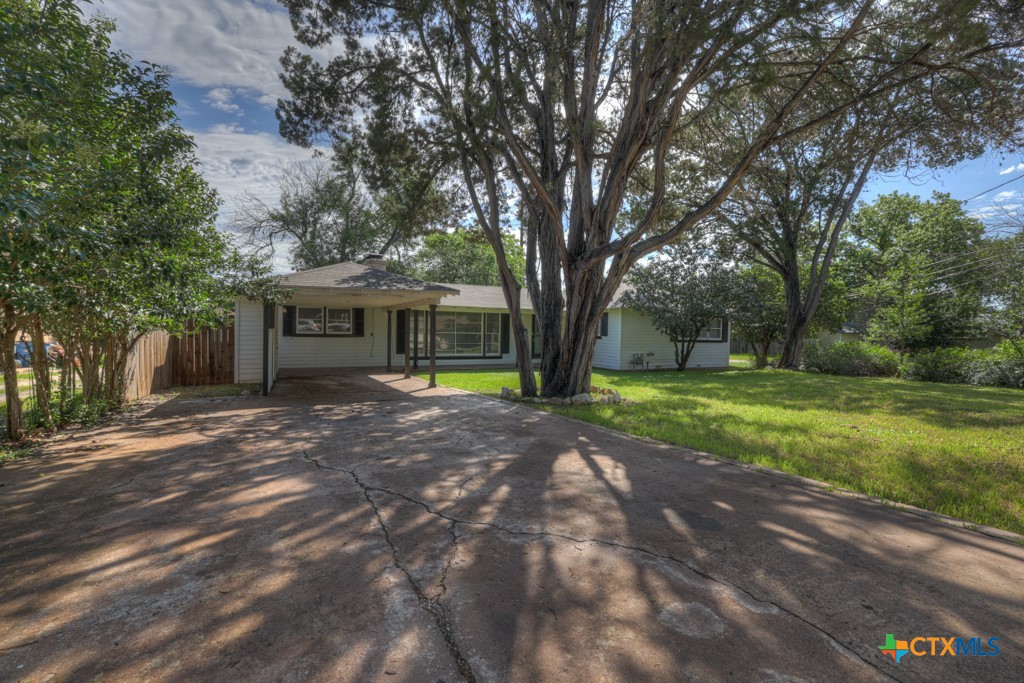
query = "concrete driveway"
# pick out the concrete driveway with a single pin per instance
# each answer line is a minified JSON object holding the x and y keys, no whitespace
{"x":358,"y":527}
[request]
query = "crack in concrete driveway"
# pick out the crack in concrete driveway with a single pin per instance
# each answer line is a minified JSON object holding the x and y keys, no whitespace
{"x":362,"y":527}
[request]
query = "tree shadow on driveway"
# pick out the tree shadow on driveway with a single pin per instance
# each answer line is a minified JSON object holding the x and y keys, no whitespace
{"x":363,"y":528}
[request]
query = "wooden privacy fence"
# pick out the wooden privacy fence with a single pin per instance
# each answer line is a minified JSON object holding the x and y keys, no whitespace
{"x":161,"y":361}
{"x":740,"y":346}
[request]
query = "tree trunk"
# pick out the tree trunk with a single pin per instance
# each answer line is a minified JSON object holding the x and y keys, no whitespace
{"x":41,"y":369}
{"x":574,"y":369}
{"x":683,"y":351}
{"x":549,"y":305}
{"x":8,"y":335}
{"x":797,"y":322}
{"x":115,"y":367}
{"x":761,"y":353}
{"x":90,"y":358}
{"x":524,"y":361}
{"x":65,"y":389}
{"x":799,"y":312}
{"x":587,"y":296}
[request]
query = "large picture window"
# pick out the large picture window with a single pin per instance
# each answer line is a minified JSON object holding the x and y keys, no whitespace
{"x":309,"y":320}
{"x":492,"y":334}
{"x":465,"y":334}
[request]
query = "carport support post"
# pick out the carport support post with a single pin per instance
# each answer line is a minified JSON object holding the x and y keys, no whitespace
{"x":416,"y":341}
{"x":408,"y":340}
{"x":433,"y":345}
{"x":389,"y":340}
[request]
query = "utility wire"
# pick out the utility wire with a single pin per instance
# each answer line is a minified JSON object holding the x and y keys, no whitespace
{"x":995,"y":188}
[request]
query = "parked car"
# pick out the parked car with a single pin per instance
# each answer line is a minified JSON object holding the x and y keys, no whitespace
{"x":308,"y":326}
{"x":23,"y":353}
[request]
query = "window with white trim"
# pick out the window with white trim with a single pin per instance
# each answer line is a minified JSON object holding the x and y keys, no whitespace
{"x":713,"y":332}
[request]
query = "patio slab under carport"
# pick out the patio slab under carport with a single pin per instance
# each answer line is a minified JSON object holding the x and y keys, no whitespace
{"x":358,"y":526}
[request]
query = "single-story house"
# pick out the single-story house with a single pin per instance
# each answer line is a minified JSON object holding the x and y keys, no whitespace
{"x":360,"y":315}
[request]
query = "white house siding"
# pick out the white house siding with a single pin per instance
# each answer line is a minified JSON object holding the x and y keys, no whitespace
{"x":638,"y":336}
{"x":370,"y":350}
{"x":607,"y":351}
{"x":249,"y":336}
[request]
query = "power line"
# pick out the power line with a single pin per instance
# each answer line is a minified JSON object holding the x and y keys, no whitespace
{"x":995,"y":188}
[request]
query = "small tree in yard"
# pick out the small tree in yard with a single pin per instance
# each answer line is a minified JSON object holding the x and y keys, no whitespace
{"x":757,"y":311}
{"x":901,"y":322}
{"x":681,"y":296}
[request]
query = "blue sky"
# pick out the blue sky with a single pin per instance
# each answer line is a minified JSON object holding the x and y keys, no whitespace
{"x":224,"y":57}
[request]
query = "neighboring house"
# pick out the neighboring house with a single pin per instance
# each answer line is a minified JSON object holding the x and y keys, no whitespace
{"x":850,"y":331}
{"x":360,"y":315}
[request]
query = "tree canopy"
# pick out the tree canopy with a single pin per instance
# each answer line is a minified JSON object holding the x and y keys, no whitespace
{"x":328,"y":213}
{"x":918,"y":269}
{"x":682,"y":293}
{"x":462,"y":257}
{"x":106,"y":226}
{"x":583,"y":111}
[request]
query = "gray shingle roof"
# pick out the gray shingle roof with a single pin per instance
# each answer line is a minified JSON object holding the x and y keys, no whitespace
{"x":483,"y":296}
{"x":617,"y":297}
{"x":351,"y":275}
{"x":490,"y":296}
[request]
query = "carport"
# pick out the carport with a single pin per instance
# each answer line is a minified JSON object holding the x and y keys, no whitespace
{"x":329,"y":307}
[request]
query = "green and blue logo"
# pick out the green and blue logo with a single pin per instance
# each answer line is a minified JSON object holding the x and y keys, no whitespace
{"x":938,"y":646}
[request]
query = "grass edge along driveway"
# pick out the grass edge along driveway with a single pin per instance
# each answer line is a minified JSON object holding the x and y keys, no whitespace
{"x":955,"y":450}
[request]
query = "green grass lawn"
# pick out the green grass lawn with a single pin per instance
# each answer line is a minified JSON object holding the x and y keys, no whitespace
{"x":951,"y":449}
{"x":741,"y":360}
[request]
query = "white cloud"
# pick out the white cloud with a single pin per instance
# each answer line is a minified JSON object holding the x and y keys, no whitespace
{"x":1012,"y":169}
{"x":992,"y":210}
{"x":235,"y":161}
{"x":1002,"y":196}
{"x":232,"y":44}
{"x":222,"y":99}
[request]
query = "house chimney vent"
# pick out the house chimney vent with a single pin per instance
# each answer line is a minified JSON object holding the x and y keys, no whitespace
{"x":375,"y":261}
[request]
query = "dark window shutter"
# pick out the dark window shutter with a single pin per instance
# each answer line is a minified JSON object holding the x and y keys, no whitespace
{"x":504,"y":334}
{"x":725,"y":329}
{"x":357,"y":322}
{"x":604,"y":325}
{"x":400,"y":332}
{"x":288,"y":321}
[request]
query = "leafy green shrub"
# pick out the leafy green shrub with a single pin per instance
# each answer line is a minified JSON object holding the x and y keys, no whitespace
{"x":73,"y":409}
{"x":948,"y":366}
{"x":854,"y":358}
{"x":998,"y":367}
